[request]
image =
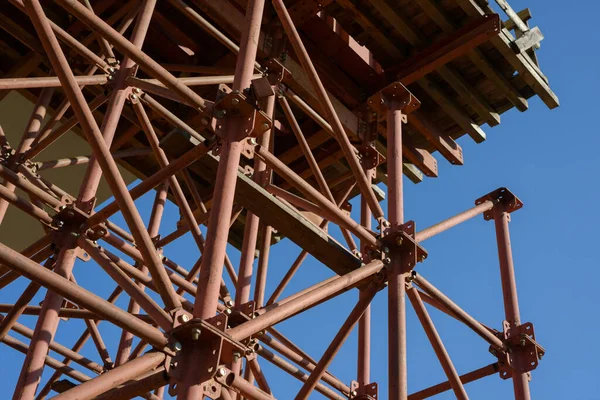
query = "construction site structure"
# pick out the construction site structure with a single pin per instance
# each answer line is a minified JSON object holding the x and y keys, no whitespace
{"x":260,"y":120}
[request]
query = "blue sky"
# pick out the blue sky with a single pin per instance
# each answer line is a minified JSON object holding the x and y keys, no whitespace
{"x":547,"y":158}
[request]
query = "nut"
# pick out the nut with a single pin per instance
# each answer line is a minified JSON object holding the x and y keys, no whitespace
{"x":221,"y":372}
{"x":184,"y":318}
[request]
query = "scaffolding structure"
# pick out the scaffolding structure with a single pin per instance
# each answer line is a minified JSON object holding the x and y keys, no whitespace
{"x":259,"y":120}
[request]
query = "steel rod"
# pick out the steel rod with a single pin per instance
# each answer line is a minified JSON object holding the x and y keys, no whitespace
{"x":363,"y":369}
{"x":297,"y":373}
{"x":509,"y":292}
{"x":337,"y":342}
{"x":397,"y":374}
{"x":76,"y":347}
{"x":113,"y":378}
{"x":277,"y":312}
{"x":243,"y":387}
{"x":49,"y":82}
{"x":78,"y":295}
{"x":125,"y":46}
{"x":327,"y":106}
{"x":211,"y":271}
{"x":152,"y":181}
{"x":453,"y":221}
{"x":459,"y":312}
{"x":445,"y":386}
{"x":312,"y":194}
{"x":436,"y":343}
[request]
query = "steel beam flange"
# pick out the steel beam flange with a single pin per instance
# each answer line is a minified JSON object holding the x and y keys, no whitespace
{"x":502,"y":196}
{"x":403,"y":238}
{"x":367,"y":392}
{"x":397,"y":93}
{"x":524,"y":353}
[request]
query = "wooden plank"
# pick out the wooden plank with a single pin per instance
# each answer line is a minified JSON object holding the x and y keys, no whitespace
{"x":455,"y":44}
{"x":304,"y":10}
{"x":443,"y":143}
{"x":465,"y":90}
{"x":435,"y":12}
{"x":452,"y":109}
{"x":521,"y":62}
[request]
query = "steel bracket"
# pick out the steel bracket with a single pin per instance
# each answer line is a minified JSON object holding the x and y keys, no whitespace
{"x":69,"y":218}
{"x":234,"y":104}
{"x":401,"y":240}
{"x":371,"y":158}
{"x":241,"y":313}
{"x":276,"y":72}
{"x":502,"y":196}
{"x":524,"y":352}
{"x":396,"y":93}
{"x":367,"y":392}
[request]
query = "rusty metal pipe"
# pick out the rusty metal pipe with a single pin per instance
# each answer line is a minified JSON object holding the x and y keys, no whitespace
{"x":459,"y":312}
{"x":49,"y":361}
{"x":277,"y":312}
{"x":397,"y":364}
{"x":453,"y":221}
{"x":509,"y":291}
{"x":436,"y":343}
{"x":149,"y":183}
{"x":66,"y":162}
{"x":337,"y":342}
{"x":327,"y":106}
{"x":445,"y":386}
{"x":125,"y":46}
{"x":297,"y":373}
{"x":78,"y":295}
{"x":49,"y":82}
{"x":290,"y":176}
{"x":242,"y":386}
{"x":160,"y":316}
{"x":113,"y":378}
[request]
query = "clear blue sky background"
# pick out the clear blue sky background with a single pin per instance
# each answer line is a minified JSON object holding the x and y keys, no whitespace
{"x":548,"y":158}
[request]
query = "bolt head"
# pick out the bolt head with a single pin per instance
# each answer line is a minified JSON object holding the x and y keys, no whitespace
{"x":62,"y":208}
{"x":386,"y":250}
{"x":177,"y":346}
{"x":354,"y":393}
{"x":266,"y":125}
{"x":228,"y":311}
{"x":221,"y":372}
{"x":60,"y":224}
{"x":387,"y":261}
{"x":195,"y":334}
{"x":137,"y":90}
{"x":184,"y":318}
{"x":111,"y":69}
{"x":133,"y":97}
{"x":235,"y":101}
{"x":229,"y":303}
{"x":252,"y":140}
{"x":204,"y":121}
